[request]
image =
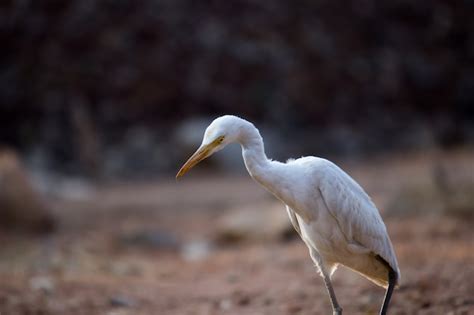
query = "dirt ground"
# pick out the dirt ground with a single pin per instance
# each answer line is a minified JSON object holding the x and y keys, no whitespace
{"x":95,"y":264}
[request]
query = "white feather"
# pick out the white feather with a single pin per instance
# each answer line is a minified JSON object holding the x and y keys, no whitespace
{"x":333,"y":215}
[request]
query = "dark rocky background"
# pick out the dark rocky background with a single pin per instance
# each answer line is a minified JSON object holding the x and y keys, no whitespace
{"x":101,"y":101}
{"x":96,"y":87}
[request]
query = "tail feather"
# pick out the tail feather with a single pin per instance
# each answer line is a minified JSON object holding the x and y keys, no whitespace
{"x":376,"y":270}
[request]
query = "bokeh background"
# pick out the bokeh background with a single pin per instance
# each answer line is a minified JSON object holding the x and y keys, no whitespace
{"x":102,"y":101}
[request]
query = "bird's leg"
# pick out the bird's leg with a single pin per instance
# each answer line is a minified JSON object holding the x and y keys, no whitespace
{"x":336,"y":308}
{"x":392,"y":279}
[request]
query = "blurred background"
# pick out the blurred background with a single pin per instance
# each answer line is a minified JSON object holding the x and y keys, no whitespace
{"x":102,"y":101}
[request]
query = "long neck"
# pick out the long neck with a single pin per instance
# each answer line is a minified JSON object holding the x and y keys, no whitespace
{"x":270,"y":174}
{"x":253,"y":152}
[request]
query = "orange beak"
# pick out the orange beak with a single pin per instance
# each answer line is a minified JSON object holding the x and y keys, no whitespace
{"x":203,"y":152}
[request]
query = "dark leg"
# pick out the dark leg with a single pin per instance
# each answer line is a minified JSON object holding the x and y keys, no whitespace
{"x":392,"y":280}
{"x":336,"y":309}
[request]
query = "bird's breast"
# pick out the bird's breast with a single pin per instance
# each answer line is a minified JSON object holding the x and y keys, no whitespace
{"x":291,"y":188}
{"x":325,"y":235}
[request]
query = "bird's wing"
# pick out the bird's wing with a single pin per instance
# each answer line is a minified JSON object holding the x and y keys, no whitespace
{"x":293,"y":219}
{"x":356,"y":214}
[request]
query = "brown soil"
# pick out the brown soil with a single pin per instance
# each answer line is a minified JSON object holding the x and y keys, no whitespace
{"x":87,"y":268}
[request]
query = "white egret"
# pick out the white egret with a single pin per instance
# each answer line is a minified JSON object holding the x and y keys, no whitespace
{"x":333,"y":215}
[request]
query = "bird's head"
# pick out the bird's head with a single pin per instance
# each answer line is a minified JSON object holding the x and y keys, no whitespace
{"x":221,"y":132}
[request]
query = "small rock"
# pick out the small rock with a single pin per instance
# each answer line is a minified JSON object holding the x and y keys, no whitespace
{"x":125,"y":269}
{"x":21,"y":206}
{"x":243,"y":300}
{"x":267,"y":221}
{"x":152,"y":239}
{"x":233,"y":278}
{"x":294,"y":308}
{"x":196,"y":250}
{"x":225,"y":304}
{"x":268,"y":301}
{"x":121,"y":301}
{"x":42,"y":283}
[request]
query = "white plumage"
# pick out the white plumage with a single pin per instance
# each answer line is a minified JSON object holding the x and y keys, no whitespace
{"x":334,"y":216}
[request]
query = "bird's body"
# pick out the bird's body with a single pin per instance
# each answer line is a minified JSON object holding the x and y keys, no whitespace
{"x":333,"y":215}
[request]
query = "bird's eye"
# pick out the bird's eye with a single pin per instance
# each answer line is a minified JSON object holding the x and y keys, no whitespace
{"x":219,"y":139}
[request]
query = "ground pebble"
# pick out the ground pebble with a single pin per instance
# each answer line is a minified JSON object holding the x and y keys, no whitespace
{"x":121,"y":301}
{"x":42,"y":283}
